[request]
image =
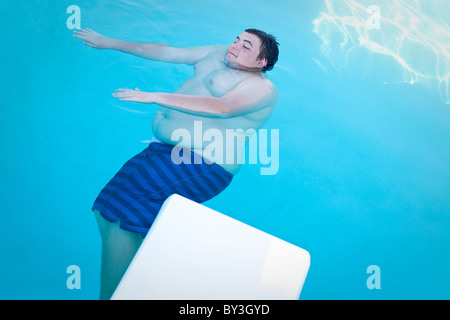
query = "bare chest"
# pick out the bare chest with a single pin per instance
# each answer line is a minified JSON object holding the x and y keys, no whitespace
{"x":220,"y":82}
{"x":217,"y":78}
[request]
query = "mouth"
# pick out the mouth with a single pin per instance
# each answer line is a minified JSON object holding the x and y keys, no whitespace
{"x":229,"y":52}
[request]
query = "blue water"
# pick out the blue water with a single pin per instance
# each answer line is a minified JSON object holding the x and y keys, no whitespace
{"x":364,"y":168}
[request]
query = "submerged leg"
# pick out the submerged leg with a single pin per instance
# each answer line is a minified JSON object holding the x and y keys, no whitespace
{"x":118,"y":249}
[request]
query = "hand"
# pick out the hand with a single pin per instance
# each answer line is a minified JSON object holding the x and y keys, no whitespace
{"x":92,"y":38}
{"x":133,"y":95}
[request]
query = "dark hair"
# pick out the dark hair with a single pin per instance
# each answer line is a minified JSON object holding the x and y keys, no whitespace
{"x":268,"y":49}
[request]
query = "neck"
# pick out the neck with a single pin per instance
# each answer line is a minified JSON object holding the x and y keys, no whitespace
{"x":241,"y":67}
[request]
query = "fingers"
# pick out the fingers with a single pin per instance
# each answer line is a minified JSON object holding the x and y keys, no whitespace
{"x":123,"y":93}
{"x":83,"y":33}
{"x":130,"y":95}
{"x":120,"y":95}
{"x":81,"y":30}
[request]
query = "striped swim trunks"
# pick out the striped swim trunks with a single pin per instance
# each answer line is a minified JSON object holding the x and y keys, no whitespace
{"x":136,"y":193}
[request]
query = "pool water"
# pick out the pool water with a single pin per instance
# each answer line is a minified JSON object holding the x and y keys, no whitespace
{"x":364,"y":137}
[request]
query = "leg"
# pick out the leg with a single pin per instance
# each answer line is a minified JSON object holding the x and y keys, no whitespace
{"x":118,"y":249}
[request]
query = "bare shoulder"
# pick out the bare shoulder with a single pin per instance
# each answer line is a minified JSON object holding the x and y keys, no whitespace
{"x":262,"y":89}
{"x":190,"y":55}
{"x":215,"y":51}
{"x":261,"y":83}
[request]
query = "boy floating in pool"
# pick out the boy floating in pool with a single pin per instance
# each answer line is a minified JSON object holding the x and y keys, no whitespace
{"x":229,"y":90}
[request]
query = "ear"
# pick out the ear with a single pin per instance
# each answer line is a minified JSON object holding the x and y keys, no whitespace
{"x":262,"y":63}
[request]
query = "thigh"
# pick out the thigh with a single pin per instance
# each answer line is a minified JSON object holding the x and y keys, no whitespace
{"x":112,"y":233}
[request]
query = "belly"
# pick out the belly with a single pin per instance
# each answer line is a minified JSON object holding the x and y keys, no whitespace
{"x":169,"y":125}
{"x":197,"y":134}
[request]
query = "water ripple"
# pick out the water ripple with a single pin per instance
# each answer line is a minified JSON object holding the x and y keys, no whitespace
{"x":413,"y":34}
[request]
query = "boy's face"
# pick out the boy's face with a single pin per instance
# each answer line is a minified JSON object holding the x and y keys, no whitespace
{"x":244,"y":52}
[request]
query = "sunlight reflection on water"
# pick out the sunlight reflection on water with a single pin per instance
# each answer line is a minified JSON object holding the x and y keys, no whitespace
{"x":416,"y":43}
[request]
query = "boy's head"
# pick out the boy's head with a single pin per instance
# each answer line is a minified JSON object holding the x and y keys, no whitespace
{"x":254,"y":49}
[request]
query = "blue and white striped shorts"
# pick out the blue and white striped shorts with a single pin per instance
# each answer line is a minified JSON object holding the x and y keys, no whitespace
{"x":136,"y":193}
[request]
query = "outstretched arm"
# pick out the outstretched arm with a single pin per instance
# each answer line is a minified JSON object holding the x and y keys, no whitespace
{"x":250,"y":95}
{"x":147,"y":50}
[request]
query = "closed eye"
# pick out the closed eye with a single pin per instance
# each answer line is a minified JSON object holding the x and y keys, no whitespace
{"x":245,"y":41}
